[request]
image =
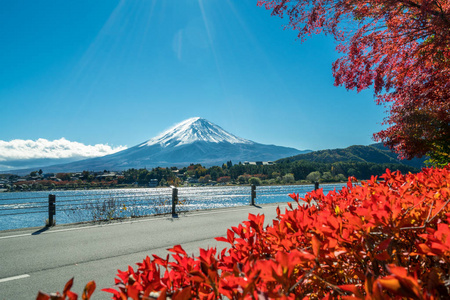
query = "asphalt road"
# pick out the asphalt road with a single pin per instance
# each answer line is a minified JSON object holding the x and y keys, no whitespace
{"x":37,"y":259}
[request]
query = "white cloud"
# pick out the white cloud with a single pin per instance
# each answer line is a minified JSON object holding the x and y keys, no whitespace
{"x":57,"y":149}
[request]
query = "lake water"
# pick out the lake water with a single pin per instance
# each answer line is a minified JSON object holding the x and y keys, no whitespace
{"x":30,"y":209}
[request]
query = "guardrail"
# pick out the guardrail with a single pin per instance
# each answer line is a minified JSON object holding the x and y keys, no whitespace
{"x":95,"y":205}
{"x":11,"y":208}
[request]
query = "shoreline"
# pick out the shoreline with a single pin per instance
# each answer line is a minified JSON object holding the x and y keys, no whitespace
{"x":164,"y":187}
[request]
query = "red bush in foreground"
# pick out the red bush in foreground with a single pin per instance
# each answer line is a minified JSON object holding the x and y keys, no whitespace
{"x":386,"y":239}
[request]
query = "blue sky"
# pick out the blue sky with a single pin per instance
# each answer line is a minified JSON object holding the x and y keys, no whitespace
{"x":120,"y":72}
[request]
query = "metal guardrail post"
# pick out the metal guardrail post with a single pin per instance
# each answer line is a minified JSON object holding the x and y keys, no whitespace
{"x":253,"y":195}
{"x":51,"y":209}
{"x":174,"y":199}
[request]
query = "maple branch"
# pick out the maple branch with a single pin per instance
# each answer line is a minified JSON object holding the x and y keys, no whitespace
{"x":412,"y":207}
{"x":278,"y":7}
{"x":438,"y":5}
{"x":429,"y":214}
{"x":302,"y":278}
{"x":334,"y":287}
{"x":428,"y":220}
{"x":413,"y":228}
{"x":447,"y":202}
{"x":441,"y":14}
{"x":425,"y":223}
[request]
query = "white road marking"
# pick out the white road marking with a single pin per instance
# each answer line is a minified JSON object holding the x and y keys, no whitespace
{"x":14,"y":278}
{"x":11,"y":236}
{"x":134,"y":221}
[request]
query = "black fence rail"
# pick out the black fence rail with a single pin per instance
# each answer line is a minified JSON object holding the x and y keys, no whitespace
{"x":73,"y":207}
{"x":81,"y":206}
{"x":23,"y":205}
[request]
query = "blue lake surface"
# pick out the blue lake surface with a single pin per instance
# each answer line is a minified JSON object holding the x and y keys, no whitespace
{"x":30,"y":209}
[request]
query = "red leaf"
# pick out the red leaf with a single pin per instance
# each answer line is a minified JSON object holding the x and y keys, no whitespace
{"x":315,"y":245}
{"x":112,"y":291}
{"x":294,"y":196}
{"x":88,"y":290}
{"x":230,"y":236}
{"x":350,"y":288}
{"x":221,"y":239}
{"x":184,"y":294}
{"x":68,"y":286}
{"x":390,"y":283}
{"x":177,"y":249}
{"x":383,"y":256}
{"x":398,"y":271}
{"x":71,"y":296}
{"x":383,"y":245}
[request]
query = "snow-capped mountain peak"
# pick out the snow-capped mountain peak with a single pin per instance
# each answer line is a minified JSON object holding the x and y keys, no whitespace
{"x":201,"y":142}
{"x":194,"y":130}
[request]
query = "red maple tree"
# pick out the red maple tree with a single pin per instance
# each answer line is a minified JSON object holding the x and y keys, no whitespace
{"x":402,"y":49}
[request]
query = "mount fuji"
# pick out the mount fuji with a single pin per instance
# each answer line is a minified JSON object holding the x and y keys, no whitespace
{"x":195,"y":140}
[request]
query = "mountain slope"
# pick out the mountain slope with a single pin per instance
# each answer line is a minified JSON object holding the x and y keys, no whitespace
{"x":375,"y":153}
{"x":195,"y":140}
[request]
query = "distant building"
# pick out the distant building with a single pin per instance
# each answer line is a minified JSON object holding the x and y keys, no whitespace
{"x":105,"y":176}
{"x":192,"y":180}
{"x":153,"y":183}
{"x":259,"y":163}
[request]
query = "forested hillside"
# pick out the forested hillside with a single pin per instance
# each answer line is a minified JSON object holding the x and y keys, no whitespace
{"x":375,"y":153}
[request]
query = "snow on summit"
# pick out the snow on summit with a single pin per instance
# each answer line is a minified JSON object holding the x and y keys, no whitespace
{"x":194,"y":130}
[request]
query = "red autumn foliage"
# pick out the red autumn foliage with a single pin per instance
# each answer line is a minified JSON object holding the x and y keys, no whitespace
{"x":387,"y":238}
{"x":68,"y":294}
{"x":401,"y":48}
{"x":224,"y":179}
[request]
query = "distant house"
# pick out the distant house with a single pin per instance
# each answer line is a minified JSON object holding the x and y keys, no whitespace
{"x":259,"y":163}
{"x":107,"y":176}
{"x":153,"y":183}
{"x":48,"y":175}
{"x":192,"y":180}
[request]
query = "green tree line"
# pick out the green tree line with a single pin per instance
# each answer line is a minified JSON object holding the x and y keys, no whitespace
{"x":287,"y":172}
